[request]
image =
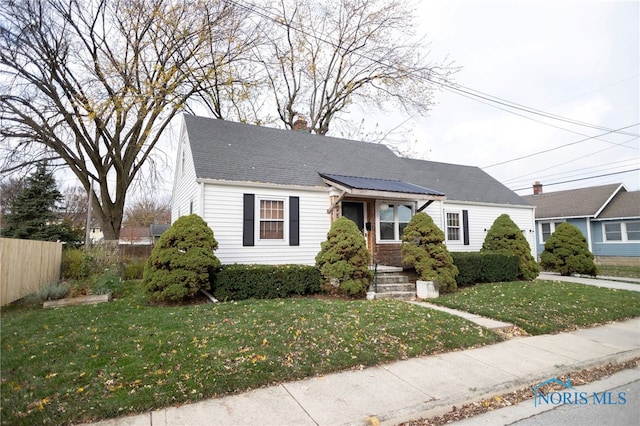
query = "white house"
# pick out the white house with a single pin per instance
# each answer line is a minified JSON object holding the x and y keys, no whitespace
{"x":270,"y":195}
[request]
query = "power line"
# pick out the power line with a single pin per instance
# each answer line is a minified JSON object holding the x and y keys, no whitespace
{"x":558,"y":147}
{"x":574,"y":159}
{"x":569,"y":173}
{"x":586,"y":178}
{"x":457,"y":88}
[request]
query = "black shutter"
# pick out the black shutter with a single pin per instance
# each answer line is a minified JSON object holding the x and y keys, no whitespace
{"x":294,"y":221}
{"x":248,"y":217}
{"x":465,"y":226}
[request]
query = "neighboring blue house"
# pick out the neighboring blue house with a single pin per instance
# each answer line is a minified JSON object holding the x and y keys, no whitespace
{"x":607,"y":215}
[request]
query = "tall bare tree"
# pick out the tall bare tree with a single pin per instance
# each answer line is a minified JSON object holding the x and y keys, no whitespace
{"x":147,"y":211}
{"x":93,"y":83}
{"x":324,"y":56}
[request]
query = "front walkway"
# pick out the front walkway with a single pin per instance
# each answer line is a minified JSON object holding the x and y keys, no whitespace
{"x":631,"y":284}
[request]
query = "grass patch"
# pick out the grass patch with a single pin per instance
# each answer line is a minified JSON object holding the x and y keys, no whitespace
{"x":619,"y":271}
{"x":541,"y":307}
{"x":84,"y":363}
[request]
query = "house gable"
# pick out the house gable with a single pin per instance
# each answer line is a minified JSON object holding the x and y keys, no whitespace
{"x":573,"y":203}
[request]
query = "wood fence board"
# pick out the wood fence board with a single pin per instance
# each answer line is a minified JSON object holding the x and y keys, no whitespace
{"x":26,"y":266}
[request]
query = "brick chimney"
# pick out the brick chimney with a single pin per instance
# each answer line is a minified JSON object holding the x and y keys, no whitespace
{"x":537,"y":188}
{"x":300,"y":125}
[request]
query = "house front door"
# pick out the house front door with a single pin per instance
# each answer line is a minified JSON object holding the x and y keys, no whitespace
{"x":355,"y":212}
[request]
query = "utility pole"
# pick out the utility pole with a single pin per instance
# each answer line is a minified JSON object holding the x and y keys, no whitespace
{"x":87,"y":240}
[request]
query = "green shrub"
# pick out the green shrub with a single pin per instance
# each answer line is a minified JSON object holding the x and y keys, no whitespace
{"x":474,"y":267}
{"x":51,"y":292}
{"x":79,"y":264}
{"x":343,"y":260}
{"x":567,"y":251}
{"x":239,"y":282}
{"x":71,"y":267}
{"x":182,"y":261}
{"x":133,"y":268}
{"x":423,"y":248}
{"x":107,"y":282}
{"x":504,"y":236}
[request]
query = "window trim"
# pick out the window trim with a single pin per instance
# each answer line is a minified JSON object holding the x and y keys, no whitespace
{"x":460,"y":227}
{"x":285,"y":221}
{"x":623,"y":231}
{"x":396,"y":223}
{"x":552,"y":228}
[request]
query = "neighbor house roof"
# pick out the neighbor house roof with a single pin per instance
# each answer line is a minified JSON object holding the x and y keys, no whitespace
{"x":224,"y":150}
{"x":582,"y":202}
{"x":623,"y":205}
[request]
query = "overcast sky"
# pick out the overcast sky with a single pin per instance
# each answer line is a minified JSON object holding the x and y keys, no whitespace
{"x":575,"y":59}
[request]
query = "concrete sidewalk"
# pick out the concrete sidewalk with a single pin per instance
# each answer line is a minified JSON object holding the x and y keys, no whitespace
{"x":632,"y":284}
{"x":405,"y":390}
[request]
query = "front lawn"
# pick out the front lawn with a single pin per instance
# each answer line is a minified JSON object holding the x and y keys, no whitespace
{"x":541,"y":307}
{"x":84,"y":363}
{"x":619,"y":271}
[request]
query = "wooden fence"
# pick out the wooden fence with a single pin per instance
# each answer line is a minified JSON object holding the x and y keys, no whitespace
{"x":26,"y":266}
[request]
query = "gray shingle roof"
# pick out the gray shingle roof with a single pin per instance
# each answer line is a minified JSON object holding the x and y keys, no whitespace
{"x":582,"y":202}
{"x":225,"y":150}
{"x":624,"y":204}
{"x":461,"y":183}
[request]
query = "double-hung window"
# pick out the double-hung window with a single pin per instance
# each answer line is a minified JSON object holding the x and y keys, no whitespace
{"x":546,"y":229}
{"x":621,"y":231}
{"x":393,"y":219}
{"x":453,"y":226}
{"x":271,"y":219}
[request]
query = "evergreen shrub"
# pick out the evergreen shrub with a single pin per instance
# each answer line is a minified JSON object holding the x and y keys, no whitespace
{"x":239,"y":282}
{"x":181,"y":262}
{"x":423,"y":248}
{"x":343,"y":260}
{"x":475,"y":267}
{"x":504,"y":236}
{"x":133,"y":268}
{"x":567,"y":251}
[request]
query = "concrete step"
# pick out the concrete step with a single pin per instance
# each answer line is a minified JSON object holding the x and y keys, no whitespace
{"x":401,"y":295}
{"x":382,"y":288}
{"x":392,"y":279}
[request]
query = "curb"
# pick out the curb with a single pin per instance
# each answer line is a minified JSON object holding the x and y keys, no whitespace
{"x":438,"y":407}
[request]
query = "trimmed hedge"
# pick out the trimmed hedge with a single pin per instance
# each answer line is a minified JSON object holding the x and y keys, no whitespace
{"x":239,"y":282}
{"x":474,"y":267}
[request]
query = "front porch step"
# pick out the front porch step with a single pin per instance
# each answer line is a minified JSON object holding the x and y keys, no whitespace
{"x":407,"y":286}
{"x":400,"y":295}
{"x":392,"y":279}
{"x":394,"y":283}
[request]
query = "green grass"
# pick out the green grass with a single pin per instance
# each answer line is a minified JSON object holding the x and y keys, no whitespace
{"x":619,"y":271}
{"x":541,"y":307}
{"x":84,"y":363}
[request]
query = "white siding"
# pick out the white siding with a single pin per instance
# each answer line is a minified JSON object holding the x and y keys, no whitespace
{"x":481,"y":217}
{"x":185,"y":189}
{"x":224,"y":213}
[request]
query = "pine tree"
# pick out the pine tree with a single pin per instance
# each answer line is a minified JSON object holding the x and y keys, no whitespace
{"x":423,"y":247}
{"x":182,"y":262}
{"x":567,"y":251}
{"x":504,"y":236}
{"x":32,"y":213}
{"x":344,"y":260}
